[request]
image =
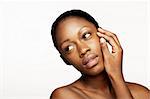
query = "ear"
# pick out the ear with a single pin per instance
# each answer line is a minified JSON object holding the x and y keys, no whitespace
{"x":65,"y":60}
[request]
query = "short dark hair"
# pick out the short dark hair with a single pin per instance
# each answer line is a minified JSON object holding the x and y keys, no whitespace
{"x":74,"y":12}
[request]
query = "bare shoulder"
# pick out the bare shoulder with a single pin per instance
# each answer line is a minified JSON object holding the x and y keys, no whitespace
{"x":65,"y":92}
{"x":61,"y":93}
{"x":138,"y":91}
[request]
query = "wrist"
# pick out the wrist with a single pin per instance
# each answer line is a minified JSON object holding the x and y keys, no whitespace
{"x":116,"y":77}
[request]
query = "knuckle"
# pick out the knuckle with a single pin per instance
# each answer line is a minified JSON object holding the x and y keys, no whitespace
{"x":110,"y":38}
{"x":103,"y":44}
{"x":114,"y":35}
{"x":120,"y":50}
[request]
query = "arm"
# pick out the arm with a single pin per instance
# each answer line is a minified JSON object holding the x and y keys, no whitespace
{"x":121,"y":89}
{"x":113,"y":63}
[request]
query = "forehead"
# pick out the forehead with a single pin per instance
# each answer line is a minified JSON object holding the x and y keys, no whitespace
{"x":69,"y":23}
{"x":70,"y":27}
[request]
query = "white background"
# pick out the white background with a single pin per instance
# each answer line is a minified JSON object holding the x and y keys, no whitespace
{"x":30,"y":67}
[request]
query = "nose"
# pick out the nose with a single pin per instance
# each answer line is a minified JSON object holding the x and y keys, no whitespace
{"x":83,"y":49}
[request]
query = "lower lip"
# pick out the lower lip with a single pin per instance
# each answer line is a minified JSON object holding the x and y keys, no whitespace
{"x":92,"y":63}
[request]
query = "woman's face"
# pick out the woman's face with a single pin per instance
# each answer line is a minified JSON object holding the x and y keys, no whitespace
{"x":79,"y":44}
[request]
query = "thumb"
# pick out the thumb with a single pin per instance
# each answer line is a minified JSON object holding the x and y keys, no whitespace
{"x":104,"y":48}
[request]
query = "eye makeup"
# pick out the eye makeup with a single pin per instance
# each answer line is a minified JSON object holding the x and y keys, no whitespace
{"x":67,"y":48}
{"x":86,"y":35}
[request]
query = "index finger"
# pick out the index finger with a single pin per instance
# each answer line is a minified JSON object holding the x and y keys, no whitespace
{"x":108,"y":33}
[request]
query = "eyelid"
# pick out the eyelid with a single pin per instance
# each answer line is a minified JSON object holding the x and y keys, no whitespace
{"x":70,"y":45}
{"x":85,"y":33}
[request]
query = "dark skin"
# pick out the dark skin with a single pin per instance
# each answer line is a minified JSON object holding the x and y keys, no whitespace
{"x":102,"y":77}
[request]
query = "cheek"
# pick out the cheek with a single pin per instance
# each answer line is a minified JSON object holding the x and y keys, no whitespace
{"x":73,"y":58}
{"x":94,"y":44}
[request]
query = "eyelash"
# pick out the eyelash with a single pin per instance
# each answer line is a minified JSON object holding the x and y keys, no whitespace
{"x":83,"y":36}
{"x":66,"y":49}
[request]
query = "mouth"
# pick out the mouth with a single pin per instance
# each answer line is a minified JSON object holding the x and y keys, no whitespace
{"x":90,"y":60}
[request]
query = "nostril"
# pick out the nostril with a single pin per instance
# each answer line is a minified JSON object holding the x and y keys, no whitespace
{"x":82,"y":54}
{"x":84,"y":51}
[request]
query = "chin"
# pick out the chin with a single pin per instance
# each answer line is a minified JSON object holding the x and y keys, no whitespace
{"x":96,"y":70}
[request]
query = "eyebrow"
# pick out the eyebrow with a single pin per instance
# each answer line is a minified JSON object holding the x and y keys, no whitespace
{"x":82,"y":28}
{"x":69,"y":39}
{"x":64,"y":41}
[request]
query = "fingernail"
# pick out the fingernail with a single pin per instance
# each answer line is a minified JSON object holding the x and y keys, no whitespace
{"x":102,"y":40}
{"x":98,"y":33}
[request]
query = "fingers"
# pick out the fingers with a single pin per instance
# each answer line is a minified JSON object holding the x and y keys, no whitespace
{"x":104,"y":47}
{"x":108,"y":33}
{"x":112,"y":40}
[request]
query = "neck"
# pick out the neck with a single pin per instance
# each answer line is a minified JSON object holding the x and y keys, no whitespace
{"x":98,"y":82}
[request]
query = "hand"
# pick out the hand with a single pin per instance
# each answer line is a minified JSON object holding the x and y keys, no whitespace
{"x":112,"y":60}
{"x":113,"y":63}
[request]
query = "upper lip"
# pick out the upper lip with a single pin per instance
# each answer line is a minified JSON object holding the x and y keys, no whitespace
{"x":88,"y":57}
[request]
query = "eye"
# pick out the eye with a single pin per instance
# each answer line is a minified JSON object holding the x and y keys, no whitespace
{"x":86,"y":35}
{"x":68,"y":48}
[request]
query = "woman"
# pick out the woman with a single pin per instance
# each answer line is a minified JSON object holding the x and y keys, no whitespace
{"x":83,"y":44}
